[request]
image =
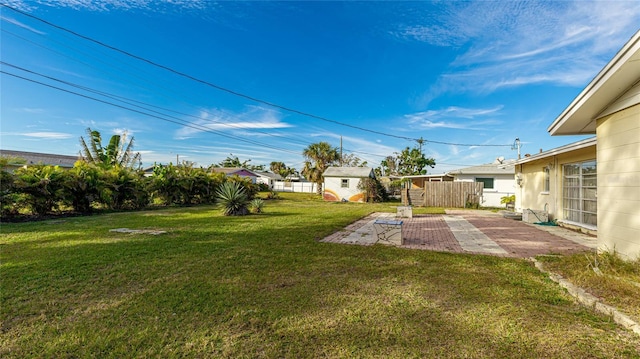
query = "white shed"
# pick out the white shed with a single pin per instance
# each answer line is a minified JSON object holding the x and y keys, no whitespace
{"x":341,"y":183}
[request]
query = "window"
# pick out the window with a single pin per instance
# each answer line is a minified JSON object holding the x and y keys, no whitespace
{"x":345,"y":183}
{"x":579,"y":187}
{"x":488,"y":182}
{"x":545,"y":185}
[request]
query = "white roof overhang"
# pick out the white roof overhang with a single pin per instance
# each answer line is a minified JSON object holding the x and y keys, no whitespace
{"x":559,"y":150}
{"x":613,"y":81}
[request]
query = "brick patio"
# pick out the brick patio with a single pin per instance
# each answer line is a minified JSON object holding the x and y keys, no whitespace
{"x":431,"y":232}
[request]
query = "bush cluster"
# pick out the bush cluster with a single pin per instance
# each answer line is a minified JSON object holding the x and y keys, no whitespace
{"x":45,"y":189}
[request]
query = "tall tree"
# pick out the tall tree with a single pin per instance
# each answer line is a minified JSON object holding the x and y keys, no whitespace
{"x":281,"y":168}
{"x":318,"y":157}
{"x":119,"y":151}
{"x":234,"y":162}
{"x":411,"y":161}
{"x":351,"y":160}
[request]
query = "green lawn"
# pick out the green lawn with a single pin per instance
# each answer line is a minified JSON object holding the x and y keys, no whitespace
{"x":263,"y":286}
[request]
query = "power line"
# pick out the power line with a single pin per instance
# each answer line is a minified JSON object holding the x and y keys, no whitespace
{"x":236,"y":93}
{"x":204,"y":82}
{"x":136,"y":103}
{"x":175,"y":121}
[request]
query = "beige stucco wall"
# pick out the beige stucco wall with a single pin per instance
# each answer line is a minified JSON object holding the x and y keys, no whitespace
{"x":618,"y":137}
{"x":531,"y":195}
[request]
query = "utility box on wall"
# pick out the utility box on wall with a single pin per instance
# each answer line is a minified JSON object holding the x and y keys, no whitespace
{"x":534,"y":216}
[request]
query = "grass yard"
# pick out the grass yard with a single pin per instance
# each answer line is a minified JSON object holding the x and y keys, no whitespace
{"x":263,"y":286}
{"x":614,"y":281}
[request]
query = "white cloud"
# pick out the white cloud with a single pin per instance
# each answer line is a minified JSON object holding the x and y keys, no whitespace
{"x":48,"y":135}
{"x":455,"y":118}
{"x":108,"y":5}
{"x":254,"y":118}
{"x":31,"y":110}
{"x":19,"y":24}
{"x":509,"y":44}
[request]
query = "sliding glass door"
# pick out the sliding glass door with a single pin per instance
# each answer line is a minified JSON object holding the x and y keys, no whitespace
{"x":579,"y":187}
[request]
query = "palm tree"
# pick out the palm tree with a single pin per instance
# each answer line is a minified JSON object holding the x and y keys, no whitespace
{"x":117,"y":153}
{"x":319,"y":156}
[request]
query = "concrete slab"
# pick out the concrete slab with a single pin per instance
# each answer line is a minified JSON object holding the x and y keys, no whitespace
{"x":471,"y":239}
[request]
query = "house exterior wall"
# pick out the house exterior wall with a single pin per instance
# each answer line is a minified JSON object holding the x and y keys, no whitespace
{"x":531,"y":194}
{"x":503,"y":185}
{"x":333,"y":190}
{"x":266,"y":181}
{"x":618,"y":159}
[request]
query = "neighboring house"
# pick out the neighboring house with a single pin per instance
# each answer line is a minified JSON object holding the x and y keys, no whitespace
{"x":34,"y":158}
{"x":341,"y":183}
{"x":609,"y":107}
{"x":267,"y":178}
{"x":497,"y":177}
{"x":417,"y":181}
{"x":561,"y":182}
{"x":236,"y":171}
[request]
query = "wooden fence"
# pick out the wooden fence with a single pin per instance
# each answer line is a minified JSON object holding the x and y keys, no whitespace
{"x":445,"y":194}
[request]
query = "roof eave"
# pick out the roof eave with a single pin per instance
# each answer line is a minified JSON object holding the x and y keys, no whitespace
{"x":591,"y":141}
{"x":620,"y":74}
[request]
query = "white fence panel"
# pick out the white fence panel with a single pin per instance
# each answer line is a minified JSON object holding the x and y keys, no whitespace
{"x":302,"y":187}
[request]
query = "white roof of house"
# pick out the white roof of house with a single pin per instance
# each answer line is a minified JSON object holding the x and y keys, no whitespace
{"x":232,"y":170}
{"x":268,"y":174}
{"x":348,"y":172}
{"x":558,"y":150}
{"x":33,"y":158}
{"x":614,"y":80}
{"x":506,"y":167}
{"x":427,"y":176}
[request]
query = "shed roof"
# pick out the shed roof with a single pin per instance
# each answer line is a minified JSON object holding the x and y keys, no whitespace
{"x":33,"y":158}
{"x":614,"y":80}
{"x":348,"y":172}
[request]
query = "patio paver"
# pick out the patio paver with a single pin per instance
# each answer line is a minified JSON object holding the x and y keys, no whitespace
{"x":464,"y":231}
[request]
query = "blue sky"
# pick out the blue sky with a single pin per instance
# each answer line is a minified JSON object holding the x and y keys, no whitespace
{"x":467,"y":77}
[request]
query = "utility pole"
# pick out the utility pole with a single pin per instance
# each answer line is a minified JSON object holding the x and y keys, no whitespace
{"x":340,"y":151}
{"x":420,"y":142}
{"x":516,"y":146}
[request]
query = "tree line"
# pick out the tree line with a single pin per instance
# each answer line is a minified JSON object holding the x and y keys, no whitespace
{"x":110,"y":178}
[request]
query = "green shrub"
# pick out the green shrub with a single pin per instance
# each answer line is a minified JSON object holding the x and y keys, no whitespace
{"x":123,"y":188}
{"x":8,"y":197}
{"x":256,"y":205}
{"x":373,"y":190}
{"x":184,"y":184}
{"x":273,"y":195}
{"x":42,"y":187}
{"x":508,"y":199}
{"x":82,"y":185}
{"x":233,"y":198}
